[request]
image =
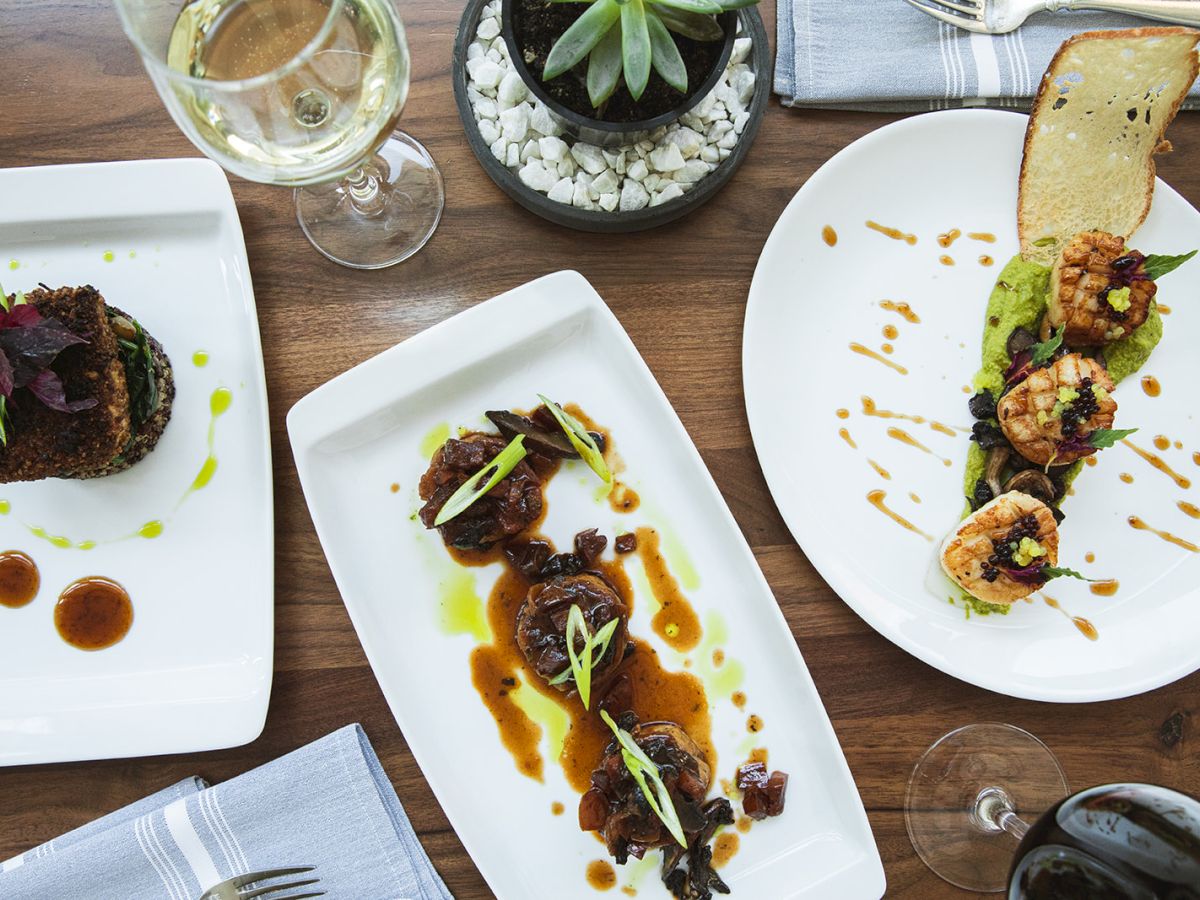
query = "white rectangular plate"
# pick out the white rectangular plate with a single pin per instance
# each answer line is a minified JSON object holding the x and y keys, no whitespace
{"x":361,"y":432}
{"x":161,"y":240}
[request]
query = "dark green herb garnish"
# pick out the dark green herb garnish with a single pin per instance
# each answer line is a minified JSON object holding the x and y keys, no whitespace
{"x":139,"y":375}
{"x":1156,"y":266}
{"x":1043,"y":351}
{"x":1103,"y":438}
{"x":1056,"y":572}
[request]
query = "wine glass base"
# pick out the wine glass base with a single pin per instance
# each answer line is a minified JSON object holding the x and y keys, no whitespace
{"x":392,"y":225}
{"x":974,"y":765}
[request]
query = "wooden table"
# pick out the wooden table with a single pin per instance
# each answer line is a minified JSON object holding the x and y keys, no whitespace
{"x":74,"y":91}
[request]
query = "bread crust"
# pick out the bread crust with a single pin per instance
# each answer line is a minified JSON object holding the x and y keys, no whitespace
{"x":1161,"y":145}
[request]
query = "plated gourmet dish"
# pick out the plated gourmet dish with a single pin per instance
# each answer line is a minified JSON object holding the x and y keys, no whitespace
{"x":639,"y":747}
{"x":1069,"y":318}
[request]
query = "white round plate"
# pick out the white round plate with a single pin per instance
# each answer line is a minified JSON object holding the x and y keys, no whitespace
{"x":809,"y":301}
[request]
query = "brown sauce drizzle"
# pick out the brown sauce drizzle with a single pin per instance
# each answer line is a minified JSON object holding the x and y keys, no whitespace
{"x":985,"y":260}
{"x":601,"y":875}
{"x":395,"y":489}
{"x":622,"y":498}
{"x":894,"y":233}
{"x":1105,"y":588}
{"x":1135,"y":522}
{"x":1090,"y":556}
{"x":844,"y":434}
{"x":883,"y":473}
{"x":869,"y":408}
{"x":829,"y":236}
{"x":1091,"y":461}
{"x":676,"y":621}
{"x":945,"y":240}
{"x":1196,"y":457}
{"x":19,"y":579}
{"x":556,"y":808}
{"x":93,"y":613}
{"x":865,"y":351}
{"x":718,"y":658}
{"x":876,"y":498}
{"x":1162,"y":442}
{"x":891,"y":332}
{"x":725,"y":848}
{"x":754,"y":724}
{"x":1151,"y":386}
{"x":1086,"y":628}
{"x":1158,"y":463}
{"x":899,"y":434}
{"x":1179,"y":445}
{"x":913,"y":497}
{"x":986,"y":236}
{"x":1189,"y":509}
{"x":946,"y":260}
{"x":1163,"y":309}
{"x":739,"y":699}
{"x":887,"y":348}
{"x":843,"y":413}
{"x":902,"y":309}
{"x":966,"y":389}
{"x":1126,"y":477}
{"x":744,"y":824}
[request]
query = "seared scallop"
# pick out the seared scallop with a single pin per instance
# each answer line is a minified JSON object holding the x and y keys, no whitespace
{"x":1098,"y":291}
{"x":997,"y":552}
{"x":1048,"y":417}
{"x":542,"y":625}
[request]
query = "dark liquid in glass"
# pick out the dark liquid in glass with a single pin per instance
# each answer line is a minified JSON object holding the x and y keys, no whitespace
{"x":1114,"y":842}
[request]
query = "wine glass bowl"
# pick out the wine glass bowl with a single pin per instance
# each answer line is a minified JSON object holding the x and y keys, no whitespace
{"x":302,"y":93}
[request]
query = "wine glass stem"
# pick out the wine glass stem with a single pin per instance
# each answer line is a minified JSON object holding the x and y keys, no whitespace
{"x":362,"y":187}
{"x":994,"y":812}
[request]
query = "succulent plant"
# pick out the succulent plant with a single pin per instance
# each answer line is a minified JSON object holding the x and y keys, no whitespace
{"x":632,"y":36}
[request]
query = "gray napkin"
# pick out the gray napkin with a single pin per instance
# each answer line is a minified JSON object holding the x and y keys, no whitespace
{"x":884,"y":55}
{"x":328,"y":804}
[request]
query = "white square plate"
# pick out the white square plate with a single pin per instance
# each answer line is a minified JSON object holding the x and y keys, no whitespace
{"x":361,"y":432}
{"x":161,"y":240}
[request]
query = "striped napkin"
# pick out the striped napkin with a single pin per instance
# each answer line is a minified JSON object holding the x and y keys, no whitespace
{"x":884,"y":55}
{"x":328,"y":805}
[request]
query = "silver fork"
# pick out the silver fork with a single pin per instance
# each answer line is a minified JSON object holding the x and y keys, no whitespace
{"x":999,"y":16}
{"x":242,"y":887}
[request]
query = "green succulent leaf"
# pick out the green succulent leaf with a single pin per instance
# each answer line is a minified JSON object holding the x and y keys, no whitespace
{"x":697,"y":26}
{"x":1103,"y":438}
{"x":1156,"y":266}
{"x":471,"y":489}
{"x":635,"y":47}
{"x":694,"y":6}
{"x":665,"y":55}
{"x":604,"y":67}
{"x":578,"y":40}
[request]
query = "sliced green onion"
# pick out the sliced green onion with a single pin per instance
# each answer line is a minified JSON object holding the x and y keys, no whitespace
{"x":583,"y":442}
{"x":581,"y":664}
{"x":470,"y":491}
{"x":3,"y":421}
{"x":640,"y":766}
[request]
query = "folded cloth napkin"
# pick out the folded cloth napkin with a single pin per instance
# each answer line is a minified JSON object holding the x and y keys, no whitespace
{"x":884,"y":55}
{"x":328,"y":805}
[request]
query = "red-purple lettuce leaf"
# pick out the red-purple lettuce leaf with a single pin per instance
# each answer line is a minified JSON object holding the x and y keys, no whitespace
{"x":48,"y":388}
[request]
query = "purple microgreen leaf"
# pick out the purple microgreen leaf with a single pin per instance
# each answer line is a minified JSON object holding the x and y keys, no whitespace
{"x":48,"y":388}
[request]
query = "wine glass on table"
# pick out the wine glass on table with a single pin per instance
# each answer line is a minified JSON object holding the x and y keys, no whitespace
{"x":974,"y":792}
{"x":304,"y":93}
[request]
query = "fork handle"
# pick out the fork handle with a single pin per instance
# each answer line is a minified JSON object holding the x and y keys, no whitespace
{"x":1181,"y":12}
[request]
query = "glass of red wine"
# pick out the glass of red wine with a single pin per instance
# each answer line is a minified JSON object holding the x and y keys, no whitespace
{"x":974,"y":792}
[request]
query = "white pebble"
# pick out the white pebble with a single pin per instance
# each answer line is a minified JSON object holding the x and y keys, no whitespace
{"x":512,"y":89}
{"x":691,"y":120}
{"x":739,"y":122}
{"x":488,"y":28}
{"x":687,"y":140}
{"x":724,"y":153}
{"x":562,"y":191}
{"x":534,"y":175}
{"x":515,"y":122}
{"x":486,"y":75}
{"x":485,"y":108}
{"x":553,"y":149}
{"x":666,"y":158}
{"x":494,"y":55}
{"x":512,"y":156}
{"x":589,"y":158}
{"x":530,"y":151}
{"x":638,"y":170}
{"x":611,"y":156}
{"x":499,"y":148}
{"x":541,"y":121}
{"x":743,"y":84}
{"x":709,"y":153}
{"x":567,"y":166}
{"x":608,"y":202}
{"x":620,"y":167}
{"x":728,"y":142}
{"x":579,"y":197}
{"x":741,"y":50}
{"x":489,"y":12}
{"x":652,"y":181}
{"x":718,"y":130}
{"x":488,"y":131}
{"x":670,"y":192}
{"x":474,"y":50}
{"x":604,"y":183}
{"x":646,"y":145}
{"x":633,"y":196}
{"x":693,"y":170}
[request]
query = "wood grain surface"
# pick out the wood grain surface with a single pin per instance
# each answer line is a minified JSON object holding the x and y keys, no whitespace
{"x":74,"y":91}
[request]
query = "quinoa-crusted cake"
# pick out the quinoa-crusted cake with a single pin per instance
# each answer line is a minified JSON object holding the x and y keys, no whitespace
{"x":121,"y":367}
{"x":46,"y":443}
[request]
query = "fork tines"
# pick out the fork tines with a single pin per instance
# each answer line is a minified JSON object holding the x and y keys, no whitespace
{"x":966,"y":14}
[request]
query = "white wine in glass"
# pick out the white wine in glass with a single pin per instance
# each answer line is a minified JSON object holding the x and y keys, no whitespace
{"x":303,"y":93}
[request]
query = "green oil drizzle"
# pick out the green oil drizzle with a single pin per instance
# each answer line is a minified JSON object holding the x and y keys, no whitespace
{"x":636,"y":870}
{"x":151,"y":529}
{"x":58,"y":540}
{"x":5,"y":507}
{"x":108,"y":256}
{"x":14,"y":265}
{"x":678,"y":559}
{"x":462,"y":609}
{"x":541,"y":709}
{"x":437,"y":436}
{"x":722,"y":680}
{"x":218,"y":404}
{"x":200,"y":359}
{"x":132,"y":254}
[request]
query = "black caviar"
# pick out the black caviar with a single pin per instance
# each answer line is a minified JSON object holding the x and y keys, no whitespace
{"x":1080,"y":409}
{"x":1003,"y":549}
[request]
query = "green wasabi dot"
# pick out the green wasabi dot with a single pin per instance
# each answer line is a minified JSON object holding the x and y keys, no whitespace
{"x":108,"y":256}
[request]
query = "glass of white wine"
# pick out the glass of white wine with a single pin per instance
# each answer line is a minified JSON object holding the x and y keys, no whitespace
{"x":303,"y":93}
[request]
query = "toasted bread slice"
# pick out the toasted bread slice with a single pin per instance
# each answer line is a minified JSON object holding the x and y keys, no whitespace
{"x":1098,"y":119}
{"x":45,"y":443}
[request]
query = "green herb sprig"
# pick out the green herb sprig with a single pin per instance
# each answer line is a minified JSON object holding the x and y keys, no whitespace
{"x":643,"y":769}
{"x":1042,"y":352}
{"x":1056,"y":572}
{"x":1156,"y":266}
{"x":138,"y":360}
{"x":471,"y":489}
{"x":594,"y":648}
{"x":1103,"y":438}
{"x":584,"y":443}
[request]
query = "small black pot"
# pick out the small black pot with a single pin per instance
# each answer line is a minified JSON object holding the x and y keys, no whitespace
{"x":597,"y":131}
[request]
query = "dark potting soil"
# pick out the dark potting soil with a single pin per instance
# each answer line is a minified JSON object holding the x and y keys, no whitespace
{"x":538,"y":24}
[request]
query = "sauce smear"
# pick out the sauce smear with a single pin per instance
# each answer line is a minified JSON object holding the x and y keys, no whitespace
{"x":1189,"y":509}
{"x":902,"y":309}
{"x":93,"y":613}
{"x":844,"y":434}
{"x":1086,"y":628}
{"x":1126,"y":477}
{"x":601,"y":875}
{"x":829,"y":236}
{"x":864,"y":351}
{"x":899,"y":434}
{"x":1151,"y":386}
{"x":1137,"y":523}
{"x":1106,"y":588}
{"x":883,"y":473}
{"x":945,"y":240}
{"x":891,"y":332}
{"x":676,"y":621}
{"x":946,"y":260}
{"x":870,"y":408}
{"x":725,"y":848}
{"x":1162,"y":442}
{"x":894,"y":233}
{"x":985,"y":260}
{"x":986,"y":236}
{"x":876,"y":498}
{"x":19,"y":579}
{"x":1158,"y":463}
